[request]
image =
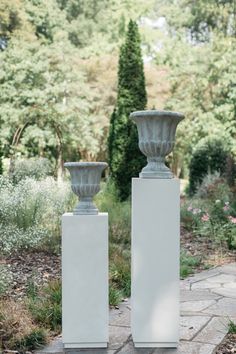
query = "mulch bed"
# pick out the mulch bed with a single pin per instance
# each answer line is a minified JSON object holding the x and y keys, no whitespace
{"x":210,"y":254}
{"x":26,"y":267}
{"x":41,"y":267}
{"x":228,"y":346}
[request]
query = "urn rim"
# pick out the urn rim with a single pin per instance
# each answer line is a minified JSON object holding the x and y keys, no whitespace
{"x":157,"y":114}
{"x":86,"y":164}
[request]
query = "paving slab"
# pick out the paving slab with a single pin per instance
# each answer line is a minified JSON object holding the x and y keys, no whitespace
{"x":201,"y":294}
{"x":184,"y":285}
{"x":227,"y":290}
{"x":228,"y":268}
{"x":90,"y":351}
{"x":222,"y":278}
{"x":214,"y":332}
{"x":191,"y":325}
{"x":208,"y":301}
{"x":195,"y":306}
{"x":120,"y":316}
{"x":205,"y":274}
{"x":56,"y":347}
{"x":129,"y":349}
{"x":205,"y":284}
{"x":188,"y":348}
{"x":118,"y":336}
{"x":223,"y":307}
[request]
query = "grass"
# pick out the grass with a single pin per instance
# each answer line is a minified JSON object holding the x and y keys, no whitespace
{"x":119,"y":242}
{"x":231,"y":327}
{"x":34,"y":340}
{"x":45,"y":305}
{"x":115,"y":295}
{"x":187,"y":264}
{"x":17,"y":329}
{"x":120,"y":273}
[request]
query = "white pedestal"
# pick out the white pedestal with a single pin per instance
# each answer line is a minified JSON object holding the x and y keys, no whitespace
{"x":155,"y":262}
{"x":85,"y":306}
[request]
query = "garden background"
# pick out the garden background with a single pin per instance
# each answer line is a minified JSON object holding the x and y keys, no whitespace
{"x":70,"y":74}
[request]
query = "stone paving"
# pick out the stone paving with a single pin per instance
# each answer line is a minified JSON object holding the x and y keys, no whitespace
{"x":208,"y":302}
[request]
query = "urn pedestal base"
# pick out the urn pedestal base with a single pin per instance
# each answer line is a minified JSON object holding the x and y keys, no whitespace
{"x":155,"y":262}
{"x":85,"y":306}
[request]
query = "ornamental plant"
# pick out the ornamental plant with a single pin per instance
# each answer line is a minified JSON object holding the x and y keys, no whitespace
{"x":125,"y":158}
{"x":216,"y":220}
{"x":210,"y":156}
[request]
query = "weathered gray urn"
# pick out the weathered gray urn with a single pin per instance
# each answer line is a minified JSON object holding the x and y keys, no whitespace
{"x":156,"y":131}
{"x":85,"y":183}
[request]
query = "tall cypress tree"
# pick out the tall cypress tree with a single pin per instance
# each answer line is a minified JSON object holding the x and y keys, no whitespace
{"x":1,"y":156}
{"x":125,"y":158}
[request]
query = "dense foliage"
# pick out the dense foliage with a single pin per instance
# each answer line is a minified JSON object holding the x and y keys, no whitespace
{"x":209,"y":156}
{"x":125,"y":158}
{"x":58,"y":80}
{"x":58,"y":64}
{"x":211,"y":213}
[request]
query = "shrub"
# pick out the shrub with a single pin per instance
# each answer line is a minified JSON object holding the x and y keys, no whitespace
{"x":119,"y":215}
{"x":214,"y":187}
{"x":229,"y":234}
{"x":30,"y":212}
{"x":190,"y":212}
{"x":210,"y":156}
{"x":187,"y":264}
{"x":214,"y":219}
{"x":37,"y":168}
{"x":5,"y":279}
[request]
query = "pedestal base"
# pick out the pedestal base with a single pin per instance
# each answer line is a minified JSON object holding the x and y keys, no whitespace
{"x":85,"y":345}
{"x":155,"y":262}
{"x":155,"y":345}
{"x":85,"y":306}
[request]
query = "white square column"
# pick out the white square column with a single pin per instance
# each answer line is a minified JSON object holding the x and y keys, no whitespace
{"x":155,"y":262}
{"x":85,"y":307}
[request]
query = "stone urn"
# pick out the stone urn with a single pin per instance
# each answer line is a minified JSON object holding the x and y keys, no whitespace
{"x":85,"y":183}
{"x":156,"y":131}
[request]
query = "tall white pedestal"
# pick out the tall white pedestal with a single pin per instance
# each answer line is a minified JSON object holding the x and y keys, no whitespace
{"x":155,"y":262}
{"x":85,"y":280}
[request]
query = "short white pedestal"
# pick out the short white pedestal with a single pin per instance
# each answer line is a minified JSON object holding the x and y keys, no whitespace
{"x":155,"y":262}
{"x":85,"y":306}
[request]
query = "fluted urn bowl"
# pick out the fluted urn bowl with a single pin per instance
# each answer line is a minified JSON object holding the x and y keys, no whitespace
{"x":156,"y":132}
{"x":85,"y":183}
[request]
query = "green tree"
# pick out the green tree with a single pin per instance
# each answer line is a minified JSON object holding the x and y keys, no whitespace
{"x":209,"y":156}
{"x":201,"y":79}
{"x":125,"y":158}
{"x":1,"y":156}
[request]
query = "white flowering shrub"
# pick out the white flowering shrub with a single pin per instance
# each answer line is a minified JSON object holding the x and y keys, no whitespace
{"x":5,"y":278}
{"x":30,"y":212}
{"x":37,"y":168}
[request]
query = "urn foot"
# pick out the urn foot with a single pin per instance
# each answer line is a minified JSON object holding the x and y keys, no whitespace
{"x":85,"y":207}
{"x":156,"y":169}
